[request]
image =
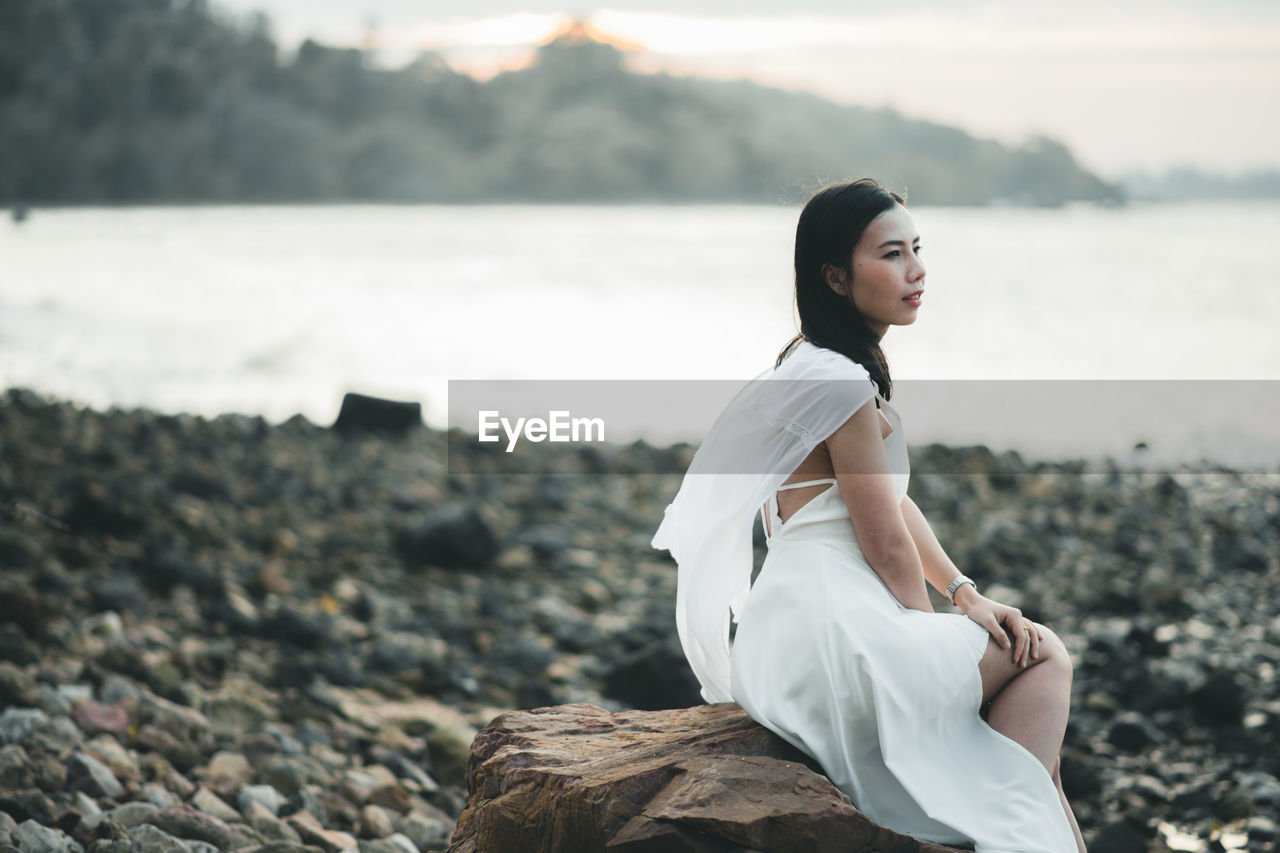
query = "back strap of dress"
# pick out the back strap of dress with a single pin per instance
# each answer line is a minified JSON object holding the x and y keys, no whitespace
{"x":822,"y":482}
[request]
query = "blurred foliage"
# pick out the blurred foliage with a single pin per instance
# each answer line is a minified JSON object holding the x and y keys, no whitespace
{"x":170,"y":100}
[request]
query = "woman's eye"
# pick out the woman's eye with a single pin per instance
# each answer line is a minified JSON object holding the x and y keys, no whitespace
{"x":895,"y":253}
{"x":918,"y":249}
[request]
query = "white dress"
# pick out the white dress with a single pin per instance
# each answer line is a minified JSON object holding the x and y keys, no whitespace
{"x":885,"y":698}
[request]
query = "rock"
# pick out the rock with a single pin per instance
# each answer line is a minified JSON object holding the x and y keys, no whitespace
{"x":426,"y":830}
{"x":329,"y":840}
{"x":375,"y":822}
{"x":707,"y":778}
{"x":1220,"y":698}
{"x":115,"y":757}
{"x":1121,"y":836}
{"x":28,"y":804}
{"x":452,"y":537}
{"x":1233,"y":804}
{"x":264,"y":795}
{"x":361,"y":413}
{"x":93,"y":719}
{"x":186,"y":822}
{"x":210,"y":803}
{"x":151,"y":839}
{"x":133,"y":814}
{"x":1261,"y":828}
{"x":654,"y":678}
{"x":264,"y":821}
{"x":88,"y":774}
{"x":15,"y":769}
{"x":16,"y":688}
{"x":1133,"y":732}
{"x":31,"y":837}
{"x":111,"y":837}
{"x":17,"y":723}
{"x":395,"y":843}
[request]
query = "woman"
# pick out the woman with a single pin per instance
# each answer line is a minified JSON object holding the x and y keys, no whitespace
{"x":836,"y":647}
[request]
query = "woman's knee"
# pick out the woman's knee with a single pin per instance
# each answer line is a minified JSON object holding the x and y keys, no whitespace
{"x":1054,"y":653}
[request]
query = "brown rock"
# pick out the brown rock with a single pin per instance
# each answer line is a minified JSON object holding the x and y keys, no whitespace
{"x":703,"y":780}
{"x":330,"y":840}
{"x":94,"y":719}
{"x":186,"y":822}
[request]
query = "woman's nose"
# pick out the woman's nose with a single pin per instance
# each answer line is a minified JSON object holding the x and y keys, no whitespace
{"x":919,"y":271}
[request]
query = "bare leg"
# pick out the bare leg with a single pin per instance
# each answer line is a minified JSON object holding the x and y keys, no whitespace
{"x":1071,"y":816}
{"x":1030,"y":706}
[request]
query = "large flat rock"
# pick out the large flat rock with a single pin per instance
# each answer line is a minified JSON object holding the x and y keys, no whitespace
{"x":577,"y":779}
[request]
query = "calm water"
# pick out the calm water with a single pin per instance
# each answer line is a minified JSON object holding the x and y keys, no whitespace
{"x":277,"y":310}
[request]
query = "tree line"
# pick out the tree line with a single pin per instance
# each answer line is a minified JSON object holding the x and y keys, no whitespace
{"x":125,"y":101}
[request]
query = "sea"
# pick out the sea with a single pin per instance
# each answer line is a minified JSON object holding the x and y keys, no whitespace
{"x":1147,"y":331}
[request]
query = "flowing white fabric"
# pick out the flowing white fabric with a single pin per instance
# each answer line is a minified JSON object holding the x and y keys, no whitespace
{"x":764,"y":434}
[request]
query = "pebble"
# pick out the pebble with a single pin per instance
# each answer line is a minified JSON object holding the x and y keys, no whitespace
{"x":151,"y":839}
{"x":94,"y":718}
{"x":210,"y":803}
{"x":17,"y":723}
{"x":266,"y":822}
{"x":425,"y":830}
{"x":88,"y":774}
{"x":31,"y":837}
{"x":264,"y":795}
{"x":375,"y":822}
{"x":133,"y":814}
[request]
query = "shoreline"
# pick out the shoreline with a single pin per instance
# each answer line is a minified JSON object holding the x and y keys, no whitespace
{"x":354,"y":589}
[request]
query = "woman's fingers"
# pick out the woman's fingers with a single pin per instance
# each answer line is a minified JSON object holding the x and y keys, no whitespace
{"x":1035,"y":640}
{"x":992,"y":623}
{"x":1021,"y":637}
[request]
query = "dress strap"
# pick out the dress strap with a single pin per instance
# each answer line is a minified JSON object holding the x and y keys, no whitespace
{"x":821,"y":482}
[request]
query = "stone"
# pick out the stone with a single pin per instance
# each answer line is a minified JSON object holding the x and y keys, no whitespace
{"x":88,"y":774}
{"x":264,"y":795}
{"x":94,"y":718}
{"x":375,"y":822}
{"x":111,"y":837}
{"x":455,"y":536}
{"x":707,"y":778}
{"x":117,"y":759}
{"x":210,"y":803}
{"x":31,"y":837}
{"x":425,"y":830}
{"x":311,"y":832}
{"x":188,"y":823}
{"x":395,"y":843}
{"x":271,"y":827}
{"x":360,"y":413}
{"x":28,"y":804}
{"x":15,"y":768}
{"x":16,"y":687}
{"x":1133,"y":733}
{"x":17,"y":723}
{"x":231,"y":766}
{"x":133,"y":814}
{"x":151,"y":839}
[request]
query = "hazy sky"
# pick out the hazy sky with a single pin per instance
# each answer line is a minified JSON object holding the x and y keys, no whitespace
{"x":1145,"y":84}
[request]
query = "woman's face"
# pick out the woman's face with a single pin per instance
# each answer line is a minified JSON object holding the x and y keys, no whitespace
{"x":888,"y":276}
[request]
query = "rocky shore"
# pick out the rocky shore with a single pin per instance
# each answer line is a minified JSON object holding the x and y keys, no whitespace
{"x":225,"y":634}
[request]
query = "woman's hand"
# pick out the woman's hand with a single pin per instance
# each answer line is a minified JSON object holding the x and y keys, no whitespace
{"x":1006,"y":624}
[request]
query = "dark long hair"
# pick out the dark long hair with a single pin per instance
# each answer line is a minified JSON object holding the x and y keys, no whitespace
{"x":830,"y":226}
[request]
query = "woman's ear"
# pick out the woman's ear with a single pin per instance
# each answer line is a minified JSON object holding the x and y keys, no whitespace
{"x":836,"y":279}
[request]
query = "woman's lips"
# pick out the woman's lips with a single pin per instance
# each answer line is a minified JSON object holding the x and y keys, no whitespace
{"x":914,"y":298}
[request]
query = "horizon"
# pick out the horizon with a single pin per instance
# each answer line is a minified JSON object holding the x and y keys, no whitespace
{"x":1115,"y":86}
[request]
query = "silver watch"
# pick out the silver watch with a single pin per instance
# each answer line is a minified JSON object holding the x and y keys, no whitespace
{"x":957,"y":582}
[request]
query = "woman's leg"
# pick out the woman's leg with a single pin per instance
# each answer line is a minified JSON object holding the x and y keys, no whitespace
{"x":1030,"y":705}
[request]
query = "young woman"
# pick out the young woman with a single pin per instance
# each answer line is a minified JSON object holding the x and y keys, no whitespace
{"x":837,"y":648}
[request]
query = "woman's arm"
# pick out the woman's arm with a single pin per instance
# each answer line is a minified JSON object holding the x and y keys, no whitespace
{"x":992,"y":615}
{"x":862,"y":471}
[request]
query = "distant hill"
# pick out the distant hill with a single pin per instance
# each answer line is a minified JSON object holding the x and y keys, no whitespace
{"x":168,"y":100}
